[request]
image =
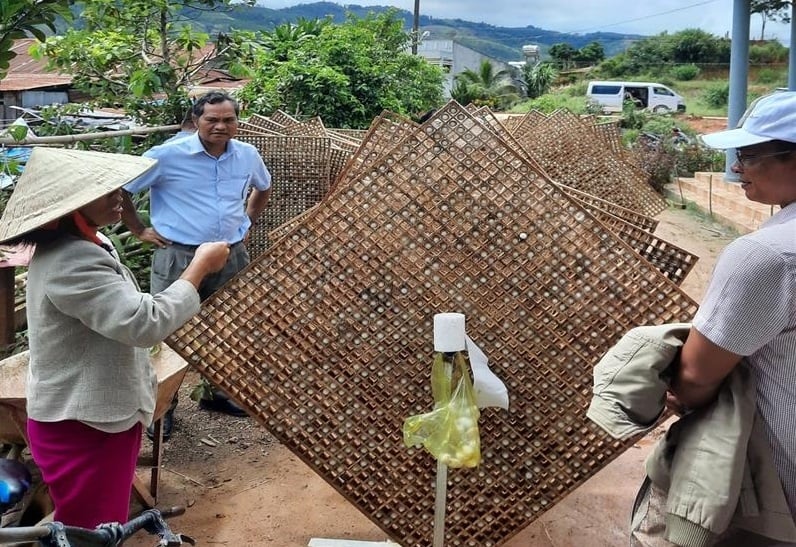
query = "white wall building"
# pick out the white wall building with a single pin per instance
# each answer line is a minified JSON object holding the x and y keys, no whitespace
{"x":454,"y":59}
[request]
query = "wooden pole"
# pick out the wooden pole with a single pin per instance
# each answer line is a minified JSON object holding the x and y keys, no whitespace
{"x":416,"y":27}
{"x":7,"y":326}
{"x":441,"y":486}
{"x":440,"y":503}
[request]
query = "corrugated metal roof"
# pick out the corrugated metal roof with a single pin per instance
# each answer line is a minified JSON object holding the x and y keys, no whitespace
{"x":25,"y":72}
{"x":24,"y":82}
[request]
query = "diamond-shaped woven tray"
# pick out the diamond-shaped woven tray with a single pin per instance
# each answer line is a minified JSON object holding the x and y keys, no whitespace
{"x":572,"y":153}
{"x":326,"y":338}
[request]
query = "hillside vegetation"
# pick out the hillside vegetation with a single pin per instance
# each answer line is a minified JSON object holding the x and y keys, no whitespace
{"x":501,"y":43}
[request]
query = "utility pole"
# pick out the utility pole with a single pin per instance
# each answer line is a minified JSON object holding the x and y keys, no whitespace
{"x":416,"y":27}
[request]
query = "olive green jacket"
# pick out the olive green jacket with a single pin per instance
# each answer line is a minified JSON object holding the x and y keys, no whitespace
{"x":714,"y":463}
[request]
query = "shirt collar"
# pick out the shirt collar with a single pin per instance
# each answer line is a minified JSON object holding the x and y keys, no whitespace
{"x":785,"y":214}
{"x":195,"y":145}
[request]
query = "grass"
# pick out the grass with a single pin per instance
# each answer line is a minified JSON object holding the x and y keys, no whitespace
{"x":707,"y":219}
{"x":573,"y":96}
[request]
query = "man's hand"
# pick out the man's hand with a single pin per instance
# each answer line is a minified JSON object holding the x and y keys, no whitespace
{"x":150,"y":235}
{"x":131,"y":219}
{"x":674,"y":404}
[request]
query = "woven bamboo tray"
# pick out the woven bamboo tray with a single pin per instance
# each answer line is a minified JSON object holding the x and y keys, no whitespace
{"x":326,"y":339}
{"x":246,"y":128}
{"x":644,"y":222}
{"x":301,"y":172}
{"x":309,"y":128}
{"x":264,"y":122}
{"x":670,"y":260}
{"x":610,"y":135}
{"x":283,"y":118}
{"x":570,"y":153}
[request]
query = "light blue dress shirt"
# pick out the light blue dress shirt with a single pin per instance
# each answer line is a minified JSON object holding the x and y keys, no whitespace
{"x":195,"y":197}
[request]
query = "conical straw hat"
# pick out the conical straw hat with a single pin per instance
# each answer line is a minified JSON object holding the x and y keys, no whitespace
{"x":57,"y":181}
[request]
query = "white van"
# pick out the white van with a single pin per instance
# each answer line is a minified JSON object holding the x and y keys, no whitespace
{"x":650,"y":95}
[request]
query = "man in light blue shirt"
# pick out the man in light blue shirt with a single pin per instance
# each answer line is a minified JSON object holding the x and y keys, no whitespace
{"x":198,"y":192}
{"x":187,"y":127}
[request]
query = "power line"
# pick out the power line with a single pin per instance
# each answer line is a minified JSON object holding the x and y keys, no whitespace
{"x":642,"y":18}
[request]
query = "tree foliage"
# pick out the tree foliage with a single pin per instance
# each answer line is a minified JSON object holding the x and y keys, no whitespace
{"x":562,"y":54}
{"x":23,"y":18}
{"x":129,"y":52}
{"x":486,"y":87}
{"x":653,"y":55}
{"x":538,"y":78}
{"x":347,"y":74}
{"x":771,"y":10}
{"x":566,"y":56}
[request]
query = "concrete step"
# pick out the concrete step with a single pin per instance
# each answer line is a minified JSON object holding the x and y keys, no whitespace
{"x":725,"y":201}
{"x":717,"y":181}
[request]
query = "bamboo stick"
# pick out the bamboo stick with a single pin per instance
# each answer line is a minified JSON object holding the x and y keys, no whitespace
{"x":68,"y":139}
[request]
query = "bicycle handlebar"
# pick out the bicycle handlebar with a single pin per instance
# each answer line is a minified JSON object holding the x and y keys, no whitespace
{"x":105,"y":535}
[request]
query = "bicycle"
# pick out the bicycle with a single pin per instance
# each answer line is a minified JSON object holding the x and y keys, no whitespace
{"x":15,"y":479}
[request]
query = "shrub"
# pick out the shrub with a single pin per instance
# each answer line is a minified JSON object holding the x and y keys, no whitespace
{"x":632,"y":117}
{"x":662,"y":157}
{"x":716,"y":95}
{"x":553,"y":101}
{"x":771,"y":76}
{"x":665,"y":80}
{"x":695,"y":157}
{"x":577,"y":90}
{"x":685,"y":73}
{"x":770,"y":52}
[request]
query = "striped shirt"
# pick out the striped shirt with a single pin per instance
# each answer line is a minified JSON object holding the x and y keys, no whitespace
{"x":750,"y":309}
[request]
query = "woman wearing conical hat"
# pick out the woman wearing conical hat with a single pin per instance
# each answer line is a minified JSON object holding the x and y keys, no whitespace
{"x":91,"y":388}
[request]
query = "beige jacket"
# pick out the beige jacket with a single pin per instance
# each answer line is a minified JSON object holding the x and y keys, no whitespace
{"x":90,"y":330}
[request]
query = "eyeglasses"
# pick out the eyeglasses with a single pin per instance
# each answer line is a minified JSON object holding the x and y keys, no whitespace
{"x":744,"y":160}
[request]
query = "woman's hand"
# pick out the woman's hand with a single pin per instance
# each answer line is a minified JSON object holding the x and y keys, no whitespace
{"x":208,"y":258}
{"x":212,"y":256}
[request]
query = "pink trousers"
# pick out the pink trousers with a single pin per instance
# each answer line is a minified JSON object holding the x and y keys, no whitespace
{"x":89,"y":472}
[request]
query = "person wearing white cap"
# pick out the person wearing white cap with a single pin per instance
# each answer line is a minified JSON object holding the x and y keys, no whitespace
{"x":91,"y":388}
{"x":749,"y":309}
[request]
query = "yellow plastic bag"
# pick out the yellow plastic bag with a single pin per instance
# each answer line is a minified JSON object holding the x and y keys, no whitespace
{"x":450,"y":431}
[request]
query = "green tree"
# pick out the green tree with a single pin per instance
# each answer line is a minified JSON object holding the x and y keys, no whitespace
{"x":128,"y":52}
{"x":655,"y":53}
{"x":694,"y":46}
{"x":23,"y":18}
{"x":347,"y":74}
{"x":538,"y":78}
{"x":592,"y":53}
{"x":486,"y":87}
{"x":562,"y":54}
{"x":771,"y":10}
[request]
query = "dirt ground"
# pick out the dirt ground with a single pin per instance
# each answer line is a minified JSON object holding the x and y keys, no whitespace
{"x":704,"y":125}
{"x":241,"y":487}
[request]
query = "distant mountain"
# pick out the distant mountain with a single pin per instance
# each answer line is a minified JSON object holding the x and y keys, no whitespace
{"x":503,"y":43}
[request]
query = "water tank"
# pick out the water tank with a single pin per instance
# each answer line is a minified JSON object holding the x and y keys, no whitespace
{"x":530,"y":50}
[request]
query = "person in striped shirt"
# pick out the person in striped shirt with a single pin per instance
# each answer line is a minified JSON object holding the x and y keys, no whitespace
{"x":749,"y":309}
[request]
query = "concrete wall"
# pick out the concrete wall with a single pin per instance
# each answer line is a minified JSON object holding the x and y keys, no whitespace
{"x":455,"y":58}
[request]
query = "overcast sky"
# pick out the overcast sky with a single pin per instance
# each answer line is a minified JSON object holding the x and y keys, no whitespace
{"x":583,"y":16}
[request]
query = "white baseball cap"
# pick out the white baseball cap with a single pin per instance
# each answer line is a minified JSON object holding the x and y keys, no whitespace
{"x":771,"y":117}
